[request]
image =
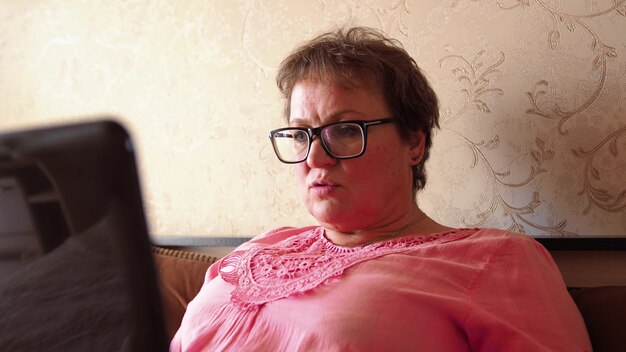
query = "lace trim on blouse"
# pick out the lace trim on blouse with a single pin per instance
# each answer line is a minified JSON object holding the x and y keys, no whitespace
{"x":305,"y":261}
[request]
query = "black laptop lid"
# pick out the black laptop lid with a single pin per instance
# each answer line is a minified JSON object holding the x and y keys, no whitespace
{"x":76,"y":271}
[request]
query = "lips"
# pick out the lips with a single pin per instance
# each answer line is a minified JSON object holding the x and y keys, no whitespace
{"x":322,"y":183}
{"x":322,"y":187}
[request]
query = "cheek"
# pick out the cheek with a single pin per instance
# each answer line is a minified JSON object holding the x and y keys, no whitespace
{"x":301,"y":171}
{"x":364,"y":172}
{"x":382,"y":169}
{"x":379,"y":158}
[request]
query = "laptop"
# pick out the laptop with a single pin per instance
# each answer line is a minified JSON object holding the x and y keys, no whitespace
{"x":76,"y":270}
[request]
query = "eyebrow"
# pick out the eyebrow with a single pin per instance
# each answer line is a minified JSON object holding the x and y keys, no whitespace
{"x":334,"y":117}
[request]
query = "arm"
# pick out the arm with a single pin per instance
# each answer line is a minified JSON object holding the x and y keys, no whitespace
{"x":519,"y":302}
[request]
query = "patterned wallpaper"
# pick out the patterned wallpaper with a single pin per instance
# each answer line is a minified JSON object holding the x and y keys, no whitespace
{"x":533,"y":130}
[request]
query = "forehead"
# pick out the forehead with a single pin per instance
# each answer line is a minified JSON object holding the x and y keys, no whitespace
{"x":328,"y":94}
{"x":331,"y":94}
{"x":347,"y":78}
{"x":343,"y":75}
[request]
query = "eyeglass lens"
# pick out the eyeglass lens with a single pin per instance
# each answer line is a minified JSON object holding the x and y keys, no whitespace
{"x":340,"y":140}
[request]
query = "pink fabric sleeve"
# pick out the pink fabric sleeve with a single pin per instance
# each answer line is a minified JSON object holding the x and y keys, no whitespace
{"x":263,"y":239}
{"x":520,"y":303}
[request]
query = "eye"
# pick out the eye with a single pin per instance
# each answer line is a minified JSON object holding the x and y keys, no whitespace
{"x":300,"y":137}
{"x":347,"y":131}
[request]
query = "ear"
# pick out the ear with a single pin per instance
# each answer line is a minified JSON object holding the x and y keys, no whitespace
{"x":416,"y":147}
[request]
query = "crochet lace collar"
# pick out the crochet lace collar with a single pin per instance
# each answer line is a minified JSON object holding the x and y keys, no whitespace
{"x":306,"y":260}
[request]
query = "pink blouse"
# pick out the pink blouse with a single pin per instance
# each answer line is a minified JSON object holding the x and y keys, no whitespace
{"x":464,"y":290}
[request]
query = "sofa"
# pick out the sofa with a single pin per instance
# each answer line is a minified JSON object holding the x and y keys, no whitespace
{"x":181,"y":273}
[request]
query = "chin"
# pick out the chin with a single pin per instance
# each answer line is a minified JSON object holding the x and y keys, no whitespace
{"x":332,"y":216}
{"x":324,"y":212}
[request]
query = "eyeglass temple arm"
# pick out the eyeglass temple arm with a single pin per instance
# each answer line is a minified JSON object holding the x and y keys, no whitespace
{"x":378,"y":122}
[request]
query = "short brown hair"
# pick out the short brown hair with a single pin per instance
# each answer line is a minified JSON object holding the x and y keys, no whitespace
{"x":359,"y":55}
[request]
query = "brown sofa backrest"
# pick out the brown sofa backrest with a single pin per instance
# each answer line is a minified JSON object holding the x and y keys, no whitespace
{"x":604,"y":311}
{"x":181,"y":274}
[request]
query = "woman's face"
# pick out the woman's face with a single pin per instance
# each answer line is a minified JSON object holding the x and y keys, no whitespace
{"x":367,"y":192}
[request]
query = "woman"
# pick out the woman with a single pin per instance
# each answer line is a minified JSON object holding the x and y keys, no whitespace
{"x":377,"y":274}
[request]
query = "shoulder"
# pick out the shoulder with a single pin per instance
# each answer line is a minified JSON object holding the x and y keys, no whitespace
{"x":504,"y":249}
{"x":274,"y":236}
{"x":511,"y":251}
{"x":259,"y":241}
{"x":501,"y":239}
{"x":498,"y":235}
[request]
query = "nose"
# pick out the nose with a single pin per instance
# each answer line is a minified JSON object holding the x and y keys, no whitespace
{"x":318,"y":157}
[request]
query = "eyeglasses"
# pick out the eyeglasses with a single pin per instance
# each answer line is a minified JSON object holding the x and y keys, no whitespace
{"x":341,"y":140}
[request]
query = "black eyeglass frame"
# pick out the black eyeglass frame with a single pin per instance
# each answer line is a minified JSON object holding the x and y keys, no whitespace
{"x":317,"y":132}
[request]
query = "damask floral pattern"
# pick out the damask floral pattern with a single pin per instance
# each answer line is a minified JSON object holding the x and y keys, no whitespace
{"x":477,"y":82}
{"x":532,"y":101}
{"x":595,"y":195}
{"x":476,"y":79}
{"x":601,"y":53}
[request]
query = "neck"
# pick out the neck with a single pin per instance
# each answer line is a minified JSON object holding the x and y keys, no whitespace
{"x":412,"y":224}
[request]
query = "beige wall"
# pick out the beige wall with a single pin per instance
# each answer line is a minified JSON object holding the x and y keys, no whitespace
{"x":534,"y":117}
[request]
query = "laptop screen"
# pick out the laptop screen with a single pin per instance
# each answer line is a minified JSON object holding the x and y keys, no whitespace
{"x":76,"y":271}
